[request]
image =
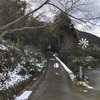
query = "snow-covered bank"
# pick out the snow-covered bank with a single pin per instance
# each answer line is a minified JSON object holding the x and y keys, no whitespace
{"x":14,"y":78}
{"x":24,"y":95}
{"x":18,"y":67}
{"x":71,"y":74}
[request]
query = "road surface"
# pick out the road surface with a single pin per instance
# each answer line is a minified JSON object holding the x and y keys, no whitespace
{"x":56,"y":85}
{"x":94,"y":77}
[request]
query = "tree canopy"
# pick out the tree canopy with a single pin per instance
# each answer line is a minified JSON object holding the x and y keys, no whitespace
{"x":15,"y":17}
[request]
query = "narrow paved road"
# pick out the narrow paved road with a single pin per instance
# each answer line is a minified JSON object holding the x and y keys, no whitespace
{"x":56,"y":86}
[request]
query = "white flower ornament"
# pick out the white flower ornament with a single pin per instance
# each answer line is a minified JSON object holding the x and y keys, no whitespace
{"x":84,"y":43}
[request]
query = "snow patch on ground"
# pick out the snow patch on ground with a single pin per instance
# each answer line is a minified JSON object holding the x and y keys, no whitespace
{"x":89,"y":87}
{"x":71,"y":74}
{"x":57,"y":74}
{"x":14,"y":78}
{"x":85,"y":90}
{"x":2,"y":47}
{"x":56,"y":65}
{"x":52,"y":59}
{"x":39,"y":66}
{"x":84,"y":84}
{"x":65,"y":67}
{"x":24,"y":95}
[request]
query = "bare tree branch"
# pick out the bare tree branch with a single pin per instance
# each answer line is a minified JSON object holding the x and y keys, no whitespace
{"x":85,"y":20}
{"x":71,"y":6}
{"x":26,"y":28}
{"x":65,"y":12}
{"x":9,"y":24}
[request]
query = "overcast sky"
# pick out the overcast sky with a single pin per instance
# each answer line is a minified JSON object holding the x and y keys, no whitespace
{"x":94,"y":6}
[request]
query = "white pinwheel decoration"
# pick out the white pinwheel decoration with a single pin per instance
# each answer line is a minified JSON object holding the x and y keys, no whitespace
{"x":84,"y":43}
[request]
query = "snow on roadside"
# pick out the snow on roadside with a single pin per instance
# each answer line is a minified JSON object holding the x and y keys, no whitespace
{"x":24,"y":95}
{"x":13,"y":66}
{"x":52,"y":59}
{"x":39,"y":66}
{"x":14,"y":78}
{"x":57,"y":74}
{"x":2,"y":47}
{"x":71,"y":74}
{"x":89,"y":87}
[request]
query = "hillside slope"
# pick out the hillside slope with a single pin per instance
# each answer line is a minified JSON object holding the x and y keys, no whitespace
{"x":92,"y":38}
